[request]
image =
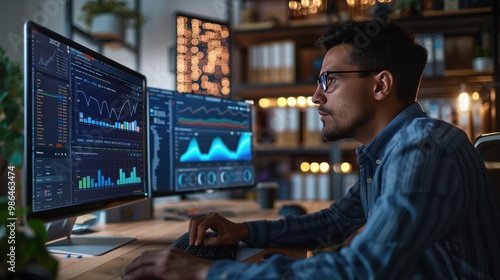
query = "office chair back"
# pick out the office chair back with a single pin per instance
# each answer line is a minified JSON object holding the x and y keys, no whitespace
{"x":488,"y":146}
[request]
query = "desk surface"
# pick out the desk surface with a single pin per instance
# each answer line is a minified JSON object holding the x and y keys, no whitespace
{"x":157,"y":233}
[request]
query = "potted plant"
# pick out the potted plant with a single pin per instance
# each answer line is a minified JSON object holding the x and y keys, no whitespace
{"x":11,"y":98}
{"x":107,"y":19}
{"x":24,"y":255}
{"x":409,"y":8}
{"x":11,"y":119}
{"x":482,"y":59}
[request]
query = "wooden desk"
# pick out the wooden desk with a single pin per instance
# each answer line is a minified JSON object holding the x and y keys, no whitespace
{"x":156,"y":234}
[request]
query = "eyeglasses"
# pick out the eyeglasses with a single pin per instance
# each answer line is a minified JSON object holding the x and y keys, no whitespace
{"x":326,"y":81}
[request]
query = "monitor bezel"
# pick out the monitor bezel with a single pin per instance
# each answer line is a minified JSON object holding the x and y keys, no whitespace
{"x":165,"y":193}
{"x":87,"y":207}
{"x":229,"y":42}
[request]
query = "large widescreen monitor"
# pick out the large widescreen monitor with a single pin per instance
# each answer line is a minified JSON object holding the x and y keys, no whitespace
{"x":85,"y":137}
{"x":199,"y":143}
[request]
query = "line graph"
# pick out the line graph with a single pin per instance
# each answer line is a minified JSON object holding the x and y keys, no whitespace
{"x":218,"y":111}
{"x":46,"y":62}
{"x":105,"y":108}
{"x":52,"y":59}
{"x":215,"y":122}
{"x":213,"y":117}
{"x":110,"y":112}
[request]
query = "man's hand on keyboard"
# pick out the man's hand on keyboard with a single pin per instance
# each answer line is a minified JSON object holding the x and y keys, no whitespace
{"x":170,"y":263}
{"x":229,"y":233}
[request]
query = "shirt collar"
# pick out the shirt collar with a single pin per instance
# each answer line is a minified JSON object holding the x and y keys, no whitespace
{"x":375,"y":149}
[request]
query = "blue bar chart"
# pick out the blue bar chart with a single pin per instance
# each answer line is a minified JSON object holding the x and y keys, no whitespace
{"x":101,"y":181}
{"x":124,"y":125}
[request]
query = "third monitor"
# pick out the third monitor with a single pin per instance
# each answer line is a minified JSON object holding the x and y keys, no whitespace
{"x":198,"y":142}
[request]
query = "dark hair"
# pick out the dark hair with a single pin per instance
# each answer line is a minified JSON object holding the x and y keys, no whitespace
{"x":381,"y":45}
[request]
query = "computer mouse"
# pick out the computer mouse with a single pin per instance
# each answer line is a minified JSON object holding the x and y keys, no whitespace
{"x":292,"y":209}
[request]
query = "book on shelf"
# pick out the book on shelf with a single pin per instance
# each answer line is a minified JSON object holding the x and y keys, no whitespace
{"x":310,"y":186}
{"x":312,"y":131}
{"x":275,"y":63}
{"x":324,"y":188}
{"x":292,"y":129}
{"x":272,"y":62}
{"x":438,"y":44}
{"x":285,"y":125}
{"x":276,"y":117}
{"x":427,"y":41}
{"x":297,"y":186}
{"x":253,"y":64}
{"x":263,"y":56}
{"x":434,"y":43}
{"x":440,"y":108}
{"x":287,"y":61}
{"x":451,"y":5}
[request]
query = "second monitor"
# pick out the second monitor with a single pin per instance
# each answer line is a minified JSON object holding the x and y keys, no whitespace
{"x":198,"y":143}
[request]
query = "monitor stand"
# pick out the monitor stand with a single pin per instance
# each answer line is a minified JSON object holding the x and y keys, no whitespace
{"x":79,"y":245}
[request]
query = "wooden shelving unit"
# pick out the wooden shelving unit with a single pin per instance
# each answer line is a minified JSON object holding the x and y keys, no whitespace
{"x":469,"y":22}
{"x":462,"y":22}
{"x":72,"y":29}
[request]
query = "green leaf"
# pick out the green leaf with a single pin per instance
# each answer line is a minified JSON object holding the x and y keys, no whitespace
{"x":11,"y":111}
{"x":38,"y":227}
{"x":3,"y":95}
{"x":16,"y":158}
{"x":11,"y":122}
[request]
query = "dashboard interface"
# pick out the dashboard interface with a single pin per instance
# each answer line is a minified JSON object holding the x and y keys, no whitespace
{"x":199,"y":142}
{"x":86,"y":125}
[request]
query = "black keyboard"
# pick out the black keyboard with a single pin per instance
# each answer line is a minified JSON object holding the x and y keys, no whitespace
{"x":204,"y":251}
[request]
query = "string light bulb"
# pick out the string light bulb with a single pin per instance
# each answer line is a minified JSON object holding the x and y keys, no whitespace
{"x":463,"y":99}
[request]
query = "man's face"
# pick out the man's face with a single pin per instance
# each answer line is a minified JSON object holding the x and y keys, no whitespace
{"x":347,"y":108}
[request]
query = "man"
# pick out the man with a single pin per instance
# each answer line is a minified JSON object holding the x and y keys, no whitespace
{"x":423,"y":196}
